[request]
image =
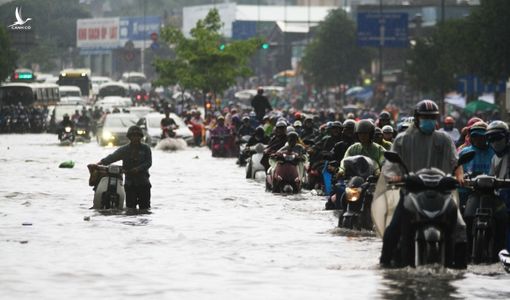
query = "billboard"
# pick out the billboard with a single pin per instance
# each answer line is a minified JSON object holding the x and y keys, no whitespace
{"x":136,"y":29}
{"x":382,"y":30}
{"x":97,"y":33}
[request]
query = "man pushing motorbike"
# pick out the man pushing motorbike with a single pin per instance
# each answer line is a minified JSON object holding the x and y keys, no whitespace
{"x":136,"y":160}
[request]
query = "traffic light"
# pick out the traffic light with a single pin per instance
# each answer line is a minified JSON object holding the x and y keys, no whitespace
{"x":222,"y":46}
{"x":264,"y":46}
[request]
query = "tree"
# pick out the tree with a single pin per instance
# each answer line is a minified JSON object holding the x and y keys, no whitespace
{"x":333,"y":57}
{"x":199,"y":62}
{"x":434,"y":61}
{"x":7,"y":56}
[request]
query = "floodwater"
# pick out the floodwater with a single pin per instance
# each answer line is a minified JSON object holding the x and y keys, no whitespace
{"x":212,"y":234}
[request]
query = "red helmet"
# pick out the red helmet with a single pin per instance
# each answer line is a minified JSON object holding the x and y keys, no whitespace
{"x":297,"y":115}
{"x":449,"y":120}
{"x":472,"y":121}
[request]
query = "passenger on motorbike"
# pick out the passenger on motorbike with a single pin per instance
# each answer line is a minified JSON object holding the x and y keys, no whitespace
{"x":421,"y":146}
{"x":309,"y":131}
{"x":246,"y":128}
{"x":379,"y":139}
{"x":498,"y":137}
{"x":449,"y":128}
{"x":388,"y":133}
{"x":384,"y":119}
{"x":66,"y":122}
{"x":348,"y":139}
{"x":136,"y":160}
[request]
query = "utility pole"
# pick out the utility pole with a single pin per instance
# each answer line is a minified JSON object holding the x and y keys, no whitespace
{"x":381,"y":43}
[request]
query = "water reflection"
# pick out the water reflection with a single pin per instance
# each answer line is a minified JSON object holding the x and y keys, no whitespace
{"x":425,"y":283}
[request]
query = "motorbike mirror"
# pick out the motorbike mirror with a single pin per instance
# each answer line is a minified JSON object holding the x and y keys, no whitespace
{"x":466,"y":157}
{"x":394,"y":157}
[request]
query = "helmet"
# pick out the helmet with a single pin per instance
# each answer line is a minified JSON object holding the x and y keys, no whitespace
{"x":349,"y":124}
{"x":365,"y":126}
{"x":134,"y":130}
{"x":281,"y":124}
{"x":387,"y":129}
{"x":426,"y":108}
{"x":222,"y":118}
{"x":329,"y":125}
{"x":260,"y":91}
{"x":66,"y":117}
{"x":292,"y":134}
{"x":479,"y":128}
{"x":384,"y":115}
{"x":246,"y":118}
{"x":472,"y":121}
{"x":259,"y":130}
{"x":298,"y":123}
{"x":378,"y":130}
{"x":497,"y":127}
{"x":351,"y":116}
{"x":290,"y":128}
{"x":449,"y":120}
{"x":337,"y":124}
{"x":297,"y":115}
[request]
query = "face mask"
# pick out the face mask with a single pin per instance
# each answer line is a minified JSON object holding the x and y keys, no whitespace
{"x":427,"y":126}
{"x":499,"y":145}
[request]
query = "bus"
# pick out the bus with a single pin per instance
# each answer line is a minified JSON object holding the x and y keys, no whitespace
{"x":29,"y":94}
{"x":77,"y":77}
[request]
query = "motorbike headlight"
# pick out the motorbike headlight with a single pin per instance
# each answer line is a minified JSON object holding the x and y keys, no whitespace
{"x":107,"y":135}
{"x":79,"y":131}
{"x":352,"y":194}
{"x":67,"y":129}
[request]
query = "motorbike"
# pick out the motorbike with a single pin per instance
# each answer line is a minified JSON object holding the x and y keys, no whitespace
{"x":242,"y":141}
{"x":82,"y":133}
{"x":38,"y":123}
{"x":356,"y":199}
{"x":223,"y":145}
{"x":485,"y":229}
{"x":285,"y":176}
{"x":432,"y":211}
{"x":67,"y":136}
{"x":23,"y":124}
{"x":254,"y":168}
{"x":108,"y":186}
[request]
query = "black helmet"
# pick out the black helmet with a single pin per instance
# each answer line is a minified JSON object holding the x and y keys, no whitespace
{"x":384,"y":115}
{"x":259,"y":130}
{"x":292,"y":134}
{"x":349,"y":124}
{"x":426,"y":108}
{"x":134,"y":130}
{"x":337,"y":124}
{"x":281,"y":123}
{"x":365,"y":126}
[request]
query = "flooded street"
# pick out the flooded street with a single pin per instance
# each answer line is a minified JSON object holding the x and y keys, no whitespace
{"x":212,"y":234}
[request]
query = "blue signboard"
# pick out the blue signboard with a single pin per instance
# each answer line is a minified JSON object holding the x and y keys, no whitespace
{"x":387,"y":30}
{"x":242,"y":30}
{"x":471,"y":84}
{"x":136,"y":28}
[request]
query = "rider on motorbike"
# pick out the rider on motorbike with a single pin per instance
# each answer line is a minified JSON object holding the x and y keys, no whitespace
{"x":66,"y":122}
{"x":348,"y":139}
{"x":388,"y":133}
{"x":365,"y":131}
{"x":293,"y":146}
{"x":421,"y":146}
{"x":379,"y":139}
{"x":168,"y":125}
{"x":276,"y":142}
{"x":498,"y":137}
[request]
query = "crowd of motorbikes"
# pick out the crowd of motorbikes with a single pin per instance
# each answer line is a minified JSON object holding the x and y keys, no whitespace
{"x":429,"y":195}
{"x":21,"y":119}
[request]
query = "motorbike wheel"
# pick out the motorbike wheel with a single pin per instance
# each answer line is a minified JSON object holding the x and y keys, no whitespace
{"x":347,"y":222}
{"x":429,"y":253}
{"x":480,"y":247}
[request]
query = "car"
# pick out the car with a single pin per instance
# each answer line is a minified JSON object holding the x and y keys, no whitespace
{"x":151,"y":123}
{"x":140,"y":111}
{"x":111,"y":102}
{"x":57,"y":114}
{"x":71,"y":95}
{"x":114,"y":129}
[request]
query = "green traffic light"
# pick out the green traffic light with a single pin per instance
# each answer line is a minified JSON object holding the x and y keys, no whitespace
{"x":222,"y":47}
{"x":265,"y":46}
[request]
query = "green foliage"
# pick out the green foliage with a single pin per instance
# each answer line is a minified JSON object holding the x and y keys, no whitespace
{"x":200,"y":64}
{"x":333,"y":57}
{"x":7,"y":56}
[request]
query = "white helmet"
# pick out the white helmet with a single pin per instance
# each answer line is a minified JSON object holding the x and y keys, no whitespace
{"x":387,"y":129}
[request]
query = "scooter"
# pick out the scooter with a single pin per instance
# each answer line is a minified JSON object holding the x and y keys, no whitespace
{"x":285,"y":176}
{"x":254,"y":168}
{"x":108,"y":186}
{"x":67,"y":137}
{"x":82,"y":134}
{"x":485,"y":229}
{"x":432,"y":211}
